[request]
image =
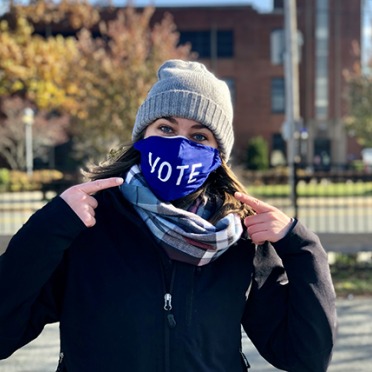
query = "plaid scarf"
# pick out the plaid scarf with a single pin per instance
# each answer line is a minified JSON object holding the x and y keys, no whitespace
{"x":185,"y":236}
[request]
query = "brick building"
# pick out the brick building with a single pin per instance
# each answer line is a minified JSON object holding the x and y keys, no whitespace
{"x":245,"y":48}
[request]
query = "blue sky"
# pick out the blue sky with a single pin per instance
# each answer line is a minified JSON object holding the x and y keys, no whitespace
{"x":260,"y":5}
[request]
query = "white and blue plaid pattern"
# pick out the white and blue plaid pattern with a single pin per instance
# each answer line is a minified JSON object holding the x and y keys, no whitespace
{"x":184,"y":235}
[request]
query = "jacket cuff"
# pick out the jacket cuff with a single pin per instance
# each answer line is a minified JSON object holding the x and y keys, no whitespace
{"x":297,"y":238}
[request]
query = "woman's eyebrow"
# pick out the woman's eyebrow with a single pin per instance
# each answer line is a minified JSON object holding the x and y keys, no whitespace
{"x":172,"y":119}
{"x":200,"y":126}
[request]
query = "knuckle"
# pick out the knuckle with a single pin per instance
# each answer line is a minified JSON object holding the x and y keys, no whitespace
{"x":100,"y":184}
{"x":256,"y":201}
{"x":83,"y":197}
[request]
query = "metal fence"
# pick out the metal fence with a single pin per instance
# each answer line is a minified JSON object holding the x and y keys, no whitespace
{"x":328,"y":202}
{"x":17,"y":206}
{"x":334,"y":201}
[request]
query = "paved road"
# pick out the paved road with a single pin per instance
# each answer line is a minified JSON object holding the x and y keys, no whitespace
{"x":352,"y":352}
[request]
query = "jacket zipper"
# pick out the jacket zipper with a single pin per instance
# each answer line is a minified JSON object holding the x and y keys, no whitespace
{"x":170,"y":321}
{"x":168,"y":307}
{"x":190,"y":300}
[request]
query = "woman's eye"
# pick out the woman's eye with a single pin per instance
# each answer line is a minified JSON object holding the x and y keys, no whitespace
{"x":165,"y":129}
{"x":199,"y":137}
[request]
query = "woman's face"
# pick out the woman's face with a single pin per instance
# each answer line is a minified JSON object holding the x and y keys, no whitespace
{"x":173,"y":126}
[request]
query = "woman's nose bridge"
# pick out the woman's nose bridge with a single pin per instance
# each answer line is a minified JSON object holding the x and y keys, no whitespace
{"x":184,"y":132}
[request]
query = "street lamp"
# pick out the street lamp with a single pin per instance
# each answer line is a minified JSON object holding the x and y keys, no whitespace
{"x":28,"y":121}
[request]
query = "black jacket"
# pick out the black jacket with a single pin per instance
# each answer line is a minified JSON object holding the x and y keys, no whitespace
{"x":106,"y":287}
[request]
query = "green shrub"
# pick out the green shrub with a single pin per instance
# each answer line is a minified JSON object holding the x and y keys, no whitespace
{"x":4,"y":179}
{"x":358,"y":165}
{"x":257,"y":154}
{"x":21,"y":181}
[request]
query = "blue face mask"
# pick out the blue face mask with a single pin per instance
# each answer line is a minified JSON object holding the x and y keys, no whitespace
{"x":175,"y":167}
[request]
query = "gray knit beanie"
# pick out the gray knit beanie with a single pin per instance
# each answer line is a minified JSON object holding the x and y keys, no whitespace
{"x":188,"y":90}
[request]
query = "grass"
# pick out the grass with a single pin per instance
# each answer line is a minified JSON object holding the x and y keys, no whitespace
{"x":352,"y":277}
{"x":352,"y":282}
{"x":310,"y":190}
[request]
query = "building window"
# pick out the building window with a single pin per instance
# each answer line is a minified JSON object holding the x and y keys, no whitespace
{"x":200,"y":42}
{"x":277,"y":46}
{"x":225,"y":44}
{"x":321,"y":59}
{"x":210,"y":43}
{"x":277,"y":95}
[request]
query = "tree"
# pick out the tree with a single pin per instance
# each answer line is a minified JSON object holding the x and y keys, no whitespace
{"x":34,"y":72}
{"x":100,"y":82}
{"x":36,"y":68}
{"x":48,"y":130}
{"x":358,"y":121}
{"x":118,"y":70}
{"x":77,"y":13}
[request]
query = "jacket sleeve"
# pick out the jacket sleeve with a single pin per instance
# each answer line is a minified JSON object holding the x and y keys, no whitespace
{"x":290,"y":314}
{"x":27,"y":267}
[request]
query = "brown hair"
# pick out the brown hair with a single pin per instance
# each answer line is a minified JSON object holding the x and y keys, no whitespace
{"x":220,"y":185}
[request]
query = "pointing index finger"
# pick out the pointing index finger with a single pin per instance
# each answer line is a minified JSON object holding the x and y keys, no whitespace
{"x":94,"y":186}
{"x":257,"y":205}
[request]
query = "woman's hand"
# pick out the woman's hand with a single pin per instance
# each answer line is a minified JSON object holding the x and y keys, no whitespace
{"x":81,"y":201}
{"x":268,"y":224}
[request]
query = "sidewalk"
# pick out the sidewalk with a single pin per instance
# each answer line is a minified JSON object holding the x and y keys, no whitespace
{"x":352,"y":351}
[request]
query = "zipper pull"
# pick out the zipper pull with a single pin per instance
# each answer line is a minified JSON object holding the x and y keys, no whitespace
{"x":168,"y":307}
{"x":167,"y":302}
{"x":171,"y":321}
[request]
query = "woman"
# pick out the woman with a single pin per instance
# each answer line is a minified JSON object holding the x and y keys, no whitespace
{"x":160,"y":268}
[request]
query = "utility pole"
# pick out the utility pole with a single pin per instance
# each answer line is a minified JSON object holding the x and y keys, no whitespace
{"x":292,"y":107}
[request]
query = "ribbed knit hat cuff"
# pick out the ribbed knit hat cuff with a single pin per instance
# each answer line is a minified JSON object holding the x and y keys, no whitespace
{"x":189,"y":105}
